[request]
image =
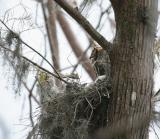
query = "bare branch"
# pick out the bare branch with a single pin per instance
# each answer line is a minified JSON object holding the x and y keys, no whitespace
{"x":52,"y":34}
{"x":85,"y":24}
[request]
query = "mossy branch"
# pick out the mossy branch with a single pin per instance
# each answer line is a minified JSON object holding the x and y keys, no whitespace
{"x":35,"y":64}
{"x":15,"y":35}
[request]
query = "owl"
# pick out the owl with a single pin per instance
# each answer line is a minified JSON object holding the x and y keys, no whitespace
{"x":100,"y":61}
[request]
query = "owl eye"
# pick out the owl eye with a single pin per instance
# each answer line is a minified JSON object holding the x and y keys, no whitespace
{"x":93,"y":53}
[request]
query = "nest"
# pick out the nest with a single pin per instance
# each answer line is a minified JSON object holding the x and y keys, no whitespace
{"x":76,"y":112}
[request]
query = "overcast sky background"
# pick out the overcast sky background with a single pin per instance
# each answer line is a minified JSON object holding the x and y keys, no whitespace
{"x":14,"y":112}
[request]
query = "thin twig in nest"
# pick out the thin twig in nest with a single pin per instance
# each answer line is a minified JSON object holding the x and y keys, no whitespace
{"x":91,"y":110}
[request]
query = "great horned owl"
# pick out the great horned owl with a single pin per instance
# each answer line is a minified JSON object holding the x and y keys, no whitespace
{"x":101,"y":62}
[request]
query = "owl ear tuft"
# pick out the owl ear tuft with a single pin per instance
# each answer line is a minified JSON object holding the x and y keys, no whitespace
{"x":99,"y":49}
{"x":96,"y":46}
{"x":93,"y":53}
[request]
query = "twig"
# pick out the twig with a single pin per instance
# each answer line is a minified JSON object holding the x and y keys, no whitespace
{"x":30,"y":110}
{"x":91,"y":110}
{"x":30,"y":92}
{"x":101,"y":16}
{"x":75,"y":112}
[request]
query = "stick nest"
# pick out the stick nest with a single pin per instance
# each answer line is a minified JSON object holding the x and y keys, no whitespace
{"x":76,"y":112}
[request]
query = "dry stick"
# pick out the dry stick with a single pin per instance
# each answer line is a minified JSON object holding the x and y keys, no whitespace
{"x":74,"y":44}
{"x":52,"y":33}
{"x":85,"y":24}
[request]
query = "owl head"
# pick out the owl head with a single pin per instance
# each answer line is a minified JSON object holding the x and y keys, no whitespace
{"x":100,"y":60}
{"x":97,"y":49}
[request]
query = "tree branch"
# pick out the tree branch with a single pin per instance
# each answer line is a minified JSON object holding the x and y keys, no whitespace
{"x":52,"y":34}
{"x":75,"y":45}
{"x":85,"y":24}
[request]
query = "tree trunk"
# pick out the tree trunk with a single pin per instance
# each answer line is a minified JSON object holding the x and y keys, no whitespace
{"x":132,"y":68}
